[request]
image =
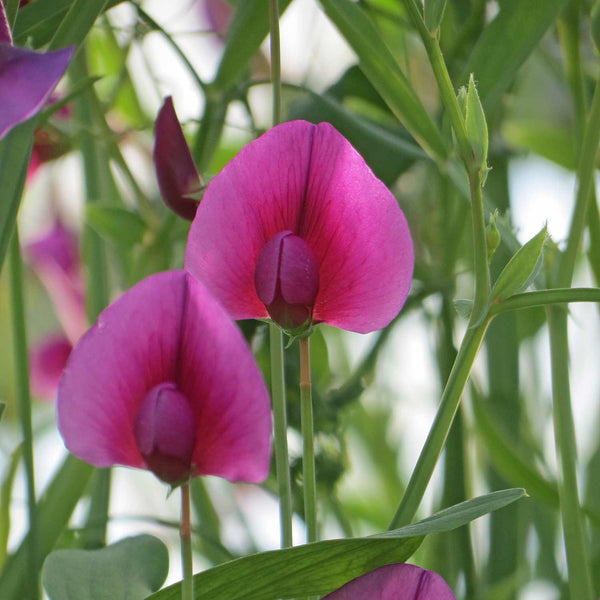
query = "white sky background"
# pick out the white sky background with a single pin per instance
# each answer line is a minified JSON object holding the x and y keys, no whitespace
{"x":542,"y":193}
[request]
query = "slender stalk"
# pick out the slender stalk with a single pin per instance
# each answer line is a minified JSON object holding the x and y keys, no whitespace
{"x":24,"y":403}
{"x":580,"y":583}
{"x":308,"y":447}
{"x":441,"y":426}
{"x":544,"y":297}
{"x":275,"y":60}
{"x":185,"y":532}
{"x":280,"y":427}
{"x":450,"y":102}
{"x":275,"y":335}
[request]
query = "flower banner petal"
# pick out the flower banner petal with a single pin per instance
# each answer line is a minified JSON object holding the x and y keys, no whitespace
{"x":359,"y":236}
{"x":258,"y":194}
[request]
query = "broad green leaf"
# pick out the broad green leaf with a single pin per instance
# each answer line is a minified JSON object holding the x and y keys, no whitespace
{"x":384,"y":73}
{"x":520,"y":268}
{"x":119,"y":225}
{"x":77,"y":22}
{"x":477,"y":131}
{"x":248,"y":29}
{"x":127,"y":570}
{"x":505,"y":44}
{"x":53,"y":512}
{"x":319,"y":568}
{"x":15,"y":152}
{"x":5,"y":496}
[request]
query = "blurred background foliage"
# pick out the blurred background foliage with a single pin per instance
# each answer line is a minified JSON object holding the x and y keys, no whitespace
{"x":535,"y":66}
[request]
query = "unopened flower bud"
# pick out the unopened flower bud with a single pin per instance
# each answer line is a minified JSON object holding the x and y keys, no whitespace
{"x":287,"y":280}
{"x":165,"y":433}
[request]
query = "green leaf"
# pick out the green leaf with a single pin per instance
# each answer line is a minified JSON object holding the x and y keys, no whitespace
{"x":383,"y":72}
{"x":38,"y":21}
{"x":464,"y":308}
{"x":248,"y":29}
{"x":477,"y":131}
{"x":119,"y":225}
{"x":77,"y":22}
{"x":520,"y":268}
{"x":128,"y":570}
{"x":53,"y":512}
{"x":434,"y":13}
{"x":5,"y":496}
{"x":319,"y":568}
{"x":547,"y":140}
{"x":505,"y":44}
{"x":2,"y":407}
{"x":15,"y":153}
{"x":514,"y":465}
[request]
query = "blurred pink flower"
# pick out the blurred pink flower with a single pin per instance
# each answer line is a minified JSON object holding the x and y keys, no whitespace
{"x":47,"y":360}
{"x":176,"y":172}
{"x":298,"y":228}
{"x":165,"y":381}
{"x":395,"y":582}
{"x":218,"y":14}
{"x":27,"y":78}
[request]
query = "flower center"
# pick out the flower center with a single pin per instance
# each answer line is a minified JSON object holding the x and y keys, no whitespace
{"x":165,"y":432}
{"x":286,"y":278}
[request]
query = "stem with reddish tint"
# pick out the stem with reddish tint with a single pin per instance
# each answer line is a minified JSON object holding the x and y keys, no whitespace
{"x":187,"y":588}
{"x":308,"y":448}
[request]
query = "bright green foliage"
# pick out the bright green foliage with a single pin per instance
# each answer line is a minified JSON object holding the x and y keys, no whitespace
{"x":128,"y":570}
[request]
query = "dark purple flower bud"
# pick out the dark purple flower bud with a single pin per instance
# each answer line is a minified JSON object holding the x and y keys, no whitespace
{"x":178,"y":178}
{"x":287,"y":280}
{"x":165,"y":433}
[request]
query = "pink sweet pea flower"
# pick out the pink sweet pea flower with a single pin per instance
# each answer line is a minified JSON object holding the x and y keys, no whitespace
{"x":165,"y":381}
{"x":395,"y":582}
{"x":176,"y":172}
{"x":297,"y":227}
{"x":27,"y":78}
{"x":218,"y":14}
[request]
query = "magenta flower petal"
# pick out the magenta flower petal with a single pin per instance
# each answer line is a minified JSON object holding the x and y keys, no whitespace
{"x":27,"y":79}
{"x":395,"y":582}
{"x":218,"y":14}
{"x":166,"y":330}
{"x":309,"y":180}
{"x":47,"y":360}
{"x":177,"y":175}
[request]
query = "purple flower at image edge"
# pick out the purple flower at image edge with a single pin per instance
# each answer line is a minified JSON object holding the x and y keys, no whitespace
{"x":165,"y":381}
{"x":395,"y":582}
{"x":27,"y":78}
{"x":297,"y":227}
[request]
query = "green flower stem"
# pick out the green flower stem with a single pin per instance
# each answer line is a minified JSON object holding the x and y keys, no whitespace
{"x":545,"y":297}
{"x":308,"y":447}
{"x":280,"y":433}
{"x":441,"y":426}
{"x":580,"y":583}
{"x":450,"y":102}
{"x":21,"y":363}
{"x":275,"y":335}
{"x":187,"y":587}
{"x":275,"y":60}
{"x":585,"y":178}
